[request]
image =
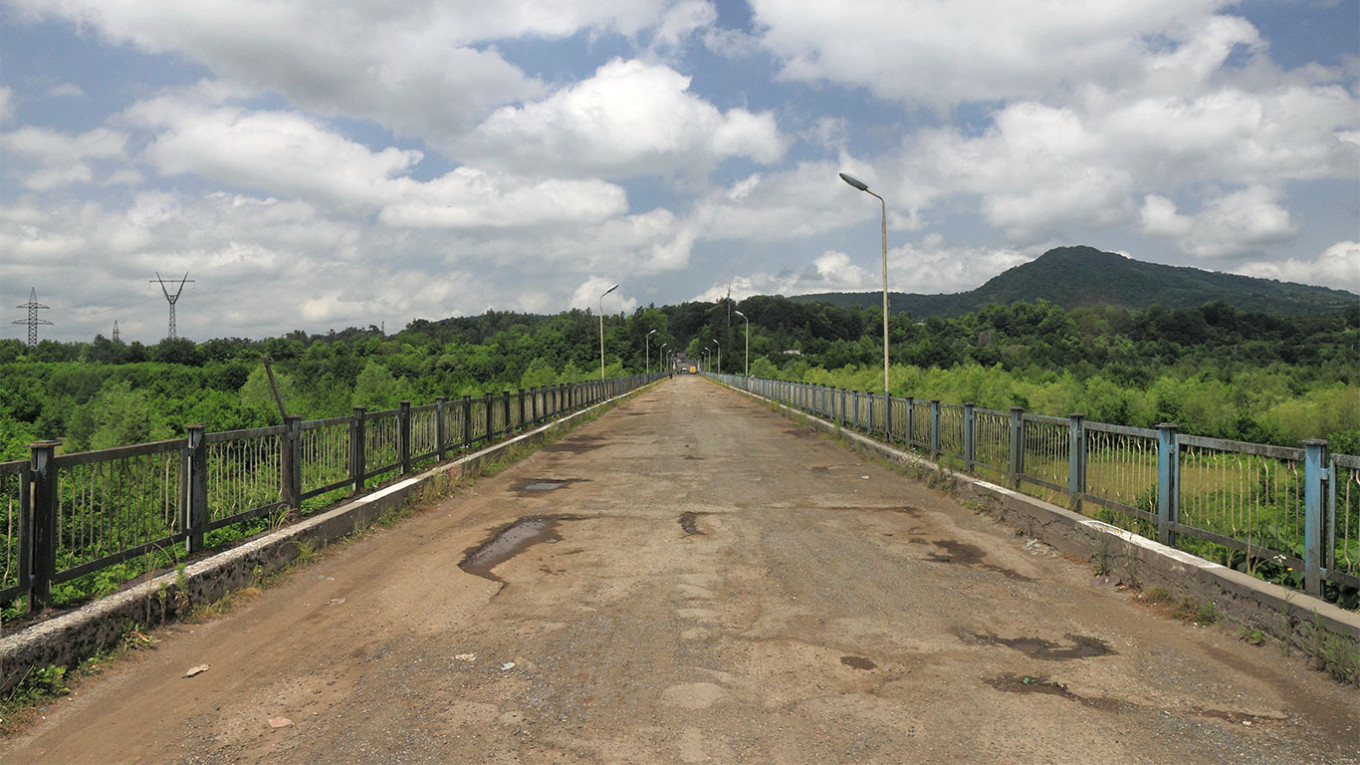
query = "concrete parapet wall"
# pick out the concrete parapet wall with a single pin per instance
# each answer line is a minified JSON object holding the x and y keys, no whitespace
{"x":69,"y":638}
{"x":1289,"y":615}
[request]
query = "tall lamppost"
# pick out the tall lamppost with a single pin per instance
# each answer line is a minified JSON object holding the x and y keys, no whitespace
{"x":715,"y":342}
{"x":662,"y":356}
{"x":646,"y":345}
{"x":703,"y":359}
{"x":748,"y":347}
{"x":606,"y":292}
{"x":887,"y":400}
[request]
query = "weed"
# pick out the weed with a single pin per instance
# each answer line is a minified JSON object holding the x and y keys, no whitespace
{"x":1100,"y":560}
{"x":306,"y":552}
{"x":1156,"y":596}
{"x":1131,"y":576}
{"x":1249,"y":635}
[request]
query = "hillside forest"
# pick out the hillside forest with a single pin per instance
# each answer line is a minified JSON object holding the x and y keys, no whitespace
{"x":1215,"y":370}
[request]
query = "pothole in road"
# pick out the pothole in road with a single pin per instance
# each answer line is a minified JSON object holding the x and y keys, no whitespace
{"x":858,"y":662}
{"x":969,"y":555}
{"x":537,"y":485}
{"x":689,"y":523}
{"x":511,"y":541}
{"x":1009,"y":683}
{"x":576,"y":444}
{"x":1082,"y":647}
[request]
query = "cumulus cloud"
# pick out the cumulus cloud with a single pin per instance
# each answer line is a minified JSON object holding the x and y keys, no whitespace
{"x":423,"y":68}
{"x":50,"y":158}
{"x":1229,"y":224}
{"x":1337,"y":267}
{"x":590,"y":294}
{"x":994,"y":49}
{"x":287,"y":153}
{"x":930,"y":266}
{"x":630,"y":118}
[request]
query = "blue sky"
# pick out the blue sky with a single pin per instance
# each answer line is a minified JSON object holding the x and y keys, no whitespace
{"x":320,"y":164}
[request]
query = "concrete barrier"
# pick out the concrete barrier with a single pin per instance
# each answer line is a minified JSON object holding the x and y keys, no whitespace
{"x":1291,"y":616}
{"x":69,"y":638}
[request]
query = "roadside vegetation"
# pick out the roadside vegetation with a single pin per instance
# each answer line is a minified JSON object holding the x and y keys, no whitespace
{"x":1216,"y":371}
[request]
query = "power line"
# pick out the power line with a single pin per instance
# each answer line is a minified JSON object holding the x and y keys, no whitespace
{"x":172,"y":300}
{"x":33,"y":321}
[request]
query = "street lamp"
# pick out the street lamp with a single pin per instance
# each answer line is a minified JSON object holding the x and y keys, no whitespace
{"x":646,"y":345}
{"x":606,"y":292}
{"x":748,"y":346}
{"x":662,"y":355}
{"x":887,"y":400}
{"x":715,"y":342}
{"x":703,"y":358}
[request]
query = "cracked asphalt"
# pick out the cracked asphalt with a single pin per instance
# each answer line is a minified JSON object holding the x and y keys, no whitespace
{"x":694,"y":578}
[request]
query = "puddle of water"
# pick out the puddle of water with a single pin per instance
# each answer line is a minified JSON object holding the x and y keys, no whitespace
{"x":509,"y":542}
{"x":858,"y":662}
{"x":576,"y":444}
{"x":1082,"y":647}
{"x":540,"y":485}
{"x":1240,"y":718}
{"x":689,"y":522}
{"x":970,"y":555}
{"x":1031,"y":684}
{"x":1009,"y":683}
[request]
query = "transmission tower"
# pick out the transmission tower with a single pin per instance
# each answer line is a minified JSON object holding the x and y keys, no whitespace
{"x":173,"y":298}
{"x":115,"y":330}
{"x":33,"y":321}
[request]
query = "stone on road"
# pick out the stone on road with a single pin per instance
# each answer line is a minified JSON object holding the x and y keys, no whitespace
{"x":694,"y":578}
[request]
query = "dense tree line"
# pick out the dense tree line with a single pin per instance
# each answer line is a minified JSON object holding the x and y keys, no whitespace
{"x":1215,"y":370}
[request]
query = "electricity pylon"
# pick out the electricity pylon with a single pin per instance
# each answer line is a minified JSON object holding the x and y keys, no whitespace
{"x":172,"y":299}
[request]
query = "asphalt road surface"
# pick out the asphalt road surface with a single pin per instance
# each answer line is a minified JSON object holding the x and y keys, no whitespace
{"x":697,"y":579}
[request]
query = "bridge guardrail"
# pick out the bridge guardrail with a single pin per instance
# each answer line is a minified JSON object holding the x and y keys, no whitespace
{"x":70,"y":516}
{"x":1291,"y":512}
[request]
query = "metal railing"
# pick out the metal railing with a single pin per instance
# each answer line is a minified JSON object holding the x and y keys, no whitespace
{"x":1297,"y":509}
{"x":69,"y":516}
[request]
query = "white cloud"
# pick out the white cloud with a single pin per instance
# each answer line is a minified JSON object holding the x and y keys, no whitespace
{"x":421,"y":68}
{"x":287,"y":153}
{"x":57,"y":159}
{"x":630,"y":118}
{"x":591,"y":294}
{"x":1229,"y":224}
{"x":805,"y":201}
{"x":66,"y":90}
{"x":6,"y":105}
{"x":927,"y":267}
{"x":1337,"y":267}
{"x":681,"y":21}
{"x":274,"y":151}
{"x":987,"y":50}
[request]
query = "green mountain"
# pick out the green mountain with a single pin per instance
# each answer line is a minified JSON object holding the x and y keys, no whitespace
{"x":1080,"y":276}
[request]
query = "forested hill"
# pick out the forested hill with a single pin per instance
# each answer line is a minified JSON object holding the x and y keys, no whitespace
{"x":1074,"y":277}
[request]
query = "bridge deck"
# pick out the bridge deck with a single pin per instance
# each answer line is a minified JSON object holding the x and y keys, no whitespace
{"x":704,"y":582}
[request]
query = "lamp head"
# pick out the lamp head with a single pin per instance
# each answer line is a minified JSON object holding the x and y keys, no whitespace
{"x":853,"y":181}
{"x":611,"y":289}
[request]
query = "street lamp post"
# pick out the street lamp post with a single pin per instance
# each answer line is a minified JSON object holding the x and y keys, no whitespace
{"x":715,"y":342}
{"x":606,"y":292}
{"x":703,"y":359}
{"x":646,"y":344}
{"x":887,"y":395}
{"x":748,"y":347}
{"x":663,"y":356}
